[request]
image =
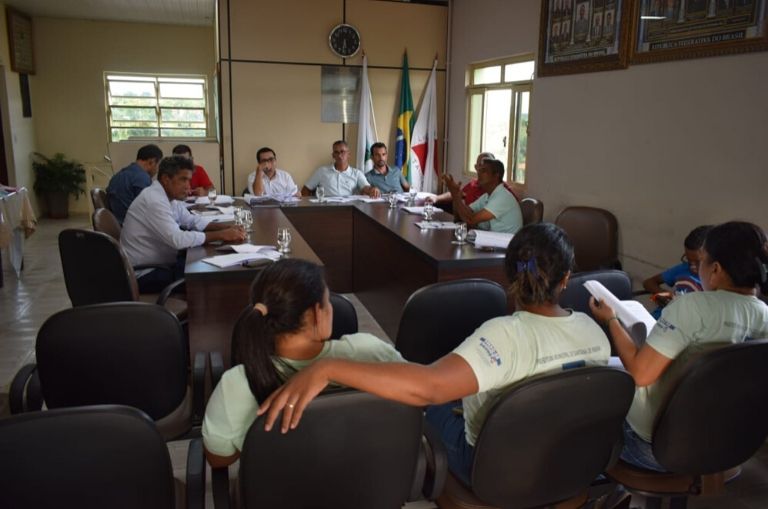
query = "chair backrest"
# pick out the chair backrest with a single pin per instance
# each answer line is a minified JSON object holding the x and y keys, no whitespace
{"x":128,"y":353}
{"x":548,"y":437}
{"x":595,"y":236}
{"x":344,"y":316}
{"x":576,"y":296}
{"x":351,"y":450}
{"x":88,"y":457}
{"x":99,"y":198}
{"x":105,"y":221}
{"x":532,"y":209}
{"x":95,"y":268}
{"x":715,"y":417}
{"x":438,"y":317}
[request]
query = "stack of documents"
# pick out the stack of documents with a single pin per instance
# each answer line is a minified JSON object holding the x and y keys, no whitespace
{"x":243,"y":253}
{"x":252,"y":199}
{"x":484,"y":238}
{"x":436,"y":225}
{"x":632,"y":314}
{"x":420,"y":210}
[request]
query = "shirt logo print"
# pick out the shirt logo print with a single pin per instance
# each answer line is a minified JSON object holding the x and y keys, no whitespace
{"x":489,"y":349}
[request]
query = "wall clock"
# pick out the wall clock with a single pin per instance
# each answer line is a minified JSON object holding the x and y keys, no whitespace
{"x":344,"y":40}
{"x":20,"y":41}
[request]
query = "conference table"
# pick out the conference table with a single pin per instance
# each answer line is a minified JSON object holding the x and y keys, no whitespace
{"x":376,"y":252}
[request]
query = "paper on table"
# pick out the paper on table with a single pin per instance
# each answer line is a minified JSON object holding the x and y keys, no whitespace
{"x":368,"y":199}
{"x":436,"y":225}
{"x":420,"y":210}
{"x":226,"y":210}
{"x":223,"y":218}
{"x":245,"y":248}
{"x":491,"y":239}
{"x":631,"y":313}
{"x":333,"y":199}
{"x":221,"y":199}
{"x":232,"y":260}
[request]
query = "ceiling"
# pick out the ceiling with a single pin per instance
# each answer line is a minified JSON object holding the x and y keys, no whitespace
{"x":172,"y":12}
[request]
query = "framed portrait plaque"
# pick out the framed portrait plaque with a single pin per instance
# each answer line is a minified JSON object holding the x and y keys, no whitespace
{"x":20,"y":41}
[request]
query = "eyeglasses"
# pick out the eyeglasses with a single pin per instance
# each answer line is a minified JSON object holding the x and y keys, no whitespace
{"x":269,"y":160}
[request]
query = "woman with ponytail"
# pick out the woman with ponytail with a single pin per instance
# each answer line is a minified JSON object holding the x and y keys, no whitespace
{"x":733,"y":266}
{"x":539,"y":337}
{"x":286,"y":329}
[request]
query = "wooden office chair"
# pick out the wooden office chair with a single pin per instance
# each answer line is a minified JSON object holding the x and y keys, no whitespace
{"x":104,"y":221}
{"x":594,"y":234}
{"x":127,"y":353}
{"x":351,"y":450}
{"x":545,"y":441}
{"x":99,"y":199}
{"x":93,"y":457}
{"x":438,"y":317}
{"x":714,"y":419}
{"x":532,"y":209}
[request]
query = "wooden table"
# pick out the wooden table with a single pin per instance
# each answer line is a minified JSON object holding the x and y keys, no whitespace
{"x":371,"y":250}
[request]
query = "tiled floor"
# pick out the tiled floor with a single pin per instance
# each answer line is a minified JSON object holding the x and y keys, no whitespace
{"x":26,"y":302}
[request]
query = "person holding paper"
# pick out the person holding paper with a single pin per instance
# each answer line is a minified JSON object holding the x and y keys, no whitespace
{"x":497,"y":210}
{"x":733,"y":266}
{"x":268,"y":179}
{"x":540,"y":337}
{"x":287,"y":329}
{"x":384,"y":177}
{"x":153,"y":234}
{"x":340,"y":179}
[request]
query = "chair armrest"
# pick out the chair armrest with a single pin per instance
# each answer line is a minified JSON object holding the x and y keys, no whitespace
{"x":159,"y":266}
{"x":195,"y":475}
{"x":198,"y":386}
{"x":168,"y":290}
{"x":25,"y":394}
{"x":220,"y":487}
{"x":217,"y":368}
{"x":437,"y":463}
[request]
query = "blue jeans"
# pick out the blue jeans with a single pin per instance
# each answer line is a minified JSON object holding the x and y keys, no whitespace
{"x":638,"y":452}
{"x":450,"y":426}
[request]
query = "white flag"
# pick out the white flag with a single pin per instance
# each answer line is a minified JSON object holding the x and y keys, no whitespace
{"x":424,"y":140}
{"x":366,"y":127}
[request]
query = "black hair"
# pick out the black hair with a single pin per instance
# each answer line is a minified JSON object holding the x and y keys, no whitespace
{"x":148,"y":152}
{"x":695,"y":239}
{"x":182,"y":149}
{"x":287,"y":288}
{"x":378,"y":144}
{"x":741,"y":250}
{"x":261,"y":151}
{"x":496,"y":167}
{"x":170,"y":166}
{"x":538,"y":258}
{"x":340,"y":142}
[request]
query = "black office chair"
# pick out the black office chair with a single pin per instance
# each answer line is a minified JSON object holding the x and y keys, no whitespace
{"x":92,"y":458}
{"x":127,"y":353}
{"x":351,"y":450}
{"x":545,"y":441}
{"x":714,"y":419}
{"x":532,"y":209}
{"x":105,"y":221}
{"x":594,"y":234}
{"x":438,"y":317}
{"x":344,"y":316}
{"x":99,"y":199}
{"x":96,"y":270}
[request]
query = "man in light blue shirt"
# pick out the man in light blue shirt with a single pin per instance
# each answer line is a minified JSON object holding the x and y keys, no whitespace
{"x":497,"y":210}
{"x":339,"y":179}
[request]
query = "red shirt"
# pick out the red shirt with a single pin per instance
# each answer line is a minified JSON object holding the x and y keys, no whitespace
{"x":200,"y":179}
{"x":472,"y":191}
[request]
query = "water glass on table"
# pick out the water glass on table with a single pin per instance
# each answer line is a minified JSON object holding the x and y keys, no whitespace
{"x":284,"y":240}
{"x":392,"y":199}
{"x":429,"y":209}
{"x":212,"y":195}
{"x":412,"y":192}
{"x":320,"y":193}
{"x":460,"y":233}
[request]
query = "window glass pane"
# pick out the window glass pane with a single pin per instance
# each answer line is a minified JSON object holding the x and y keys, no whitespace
{"x":171,"y":115}
{"x":485,"y":75}
{"x":133,"y":114}
{"x":521,"y":149}
{"x":181,"y":90}
{"x":131,"y":89}
{"x":184,"y":103}
{"x":496,"y":122}
{"x":522,"y":71}
{"x":475,"y":129}
{"x":133,"y":101}
{"x":119,"y":134}
{"x":183,"y":133}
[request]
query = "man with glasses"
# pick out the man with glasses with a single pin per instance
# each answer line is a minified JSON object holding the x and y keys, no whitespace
{"x":340,"y":179}
{"x":268,"y":179}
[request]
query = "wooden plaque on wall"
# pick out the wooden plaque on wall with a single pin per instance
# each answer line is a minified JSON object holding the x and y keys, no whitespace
{"x":20,"y":41}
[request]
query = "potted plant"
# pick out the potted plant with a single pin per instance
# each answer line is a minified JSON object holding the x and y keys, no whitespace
{"x":55,"y":179}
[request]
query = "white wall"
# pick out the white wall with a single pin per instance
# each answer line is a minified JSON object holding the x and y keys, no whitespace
{"x":664,"y":146}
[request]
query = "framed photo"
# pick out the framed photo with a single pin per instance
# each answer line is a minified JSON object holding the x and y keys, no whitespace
{"x":20,"y":41}
{"x":675,"y":29}
{"x":583,"y":36}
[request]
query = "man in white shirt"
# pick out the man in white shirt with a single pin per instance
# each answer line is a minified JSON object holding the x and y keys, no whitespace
{"x":158,"y":225}
{"x":340,"y":179}
{"x":268,"y":179}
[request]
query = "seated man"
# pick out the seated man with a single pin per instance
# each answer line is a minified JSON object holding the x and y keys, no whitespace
{"x":384,"y":177}
{"x":472,"y":190}
{"x":125,"y":185}
{"x":496,"y":210}
{"x":268,"y":179}
{"x":200,"y":183}
{"x":339,"y":179}
{"x":153,"y":234}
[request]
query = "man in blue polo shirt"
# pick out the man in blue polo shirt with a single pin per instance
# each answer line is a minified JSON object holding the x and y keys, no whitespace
{"x":384,"y":177}
{"x":126,"y":184}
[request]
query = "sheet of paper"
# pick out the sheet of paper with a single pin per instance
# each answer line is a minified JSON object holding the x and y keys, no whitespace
{"x":491,"y":239}
{"x":420,"y":210}
{"x":436,"y":225}
{"x":235,"y":259}
{"x":632,"y":314}
{"x":223,"y":218}
{"x":246,"y":248}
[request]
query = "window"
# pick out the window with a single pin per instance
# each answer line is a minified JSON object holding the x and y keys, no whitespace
{"x":498,"y":100}
{"x":156,"y":106}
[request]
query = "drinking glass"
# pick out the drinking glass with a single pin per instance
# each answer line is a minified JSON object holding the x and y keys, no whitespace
{"x":239,"y":217}
{"x":320,"y":193}
{"x":392,"y":198}
{"x":284,"y":240}
{"x":247,"y":218}
{"x":412,"y":192}
{"x":212,"y":195}
{"x":460,"y":233}
{"x":428,"y":211}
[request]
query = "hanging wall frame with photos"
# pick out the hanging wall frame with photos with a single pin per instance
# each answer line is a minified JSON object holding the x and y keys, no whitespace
{"x":583,"y":36}
{"x":675,"y":29}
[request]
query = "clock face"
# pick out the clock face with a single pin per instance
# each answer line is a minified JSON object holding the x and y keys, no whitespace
{"x":344,"y":40}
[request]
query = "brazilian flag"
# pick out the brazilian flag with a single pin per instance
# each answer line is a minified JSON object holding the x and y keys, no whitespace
{"x":404,"y":124}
